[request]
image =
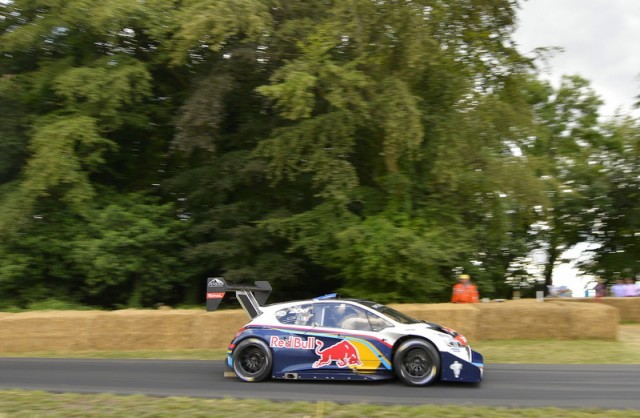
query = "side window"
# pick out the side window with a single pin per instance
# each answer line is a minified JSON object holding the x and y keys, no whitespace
{"x":377,"y":323}
{"x":296,"y":315}
{"x":346,"y":316}
{"x":331,"y":314}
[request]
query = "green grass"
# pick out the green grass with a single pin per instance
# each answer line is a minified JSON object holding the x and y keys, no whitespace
{"x":560,"y":352}
{"x":41,"y":404}
{"x":18,"y":403}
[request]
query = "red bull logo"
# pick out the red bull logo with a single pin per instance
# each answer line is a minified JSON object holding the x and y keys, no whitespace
{"x":343,"y":353}
{"x":296,"y":343}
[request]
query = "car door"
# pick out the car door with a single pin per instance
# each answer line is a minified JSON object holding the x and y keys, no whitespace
{"x":349,"y":339}
{"x":293,"y":350}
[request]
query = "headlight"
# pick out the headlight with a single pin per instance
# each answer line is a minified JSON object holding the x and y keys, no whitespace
{"x":452,"y":342}
{"x":457,"y":342}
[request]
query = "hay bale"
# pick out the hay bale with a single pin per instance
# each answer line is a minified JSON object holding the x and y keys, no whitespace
{"x":592,"y":321}
{"x":140,"y":329}
{"x":118,"y":330}
{"x":629,"y":307}
{"x":183,"y":329}
{"x":44,"y":331}
{"x":167,"y":329}
{"x":530,"y":319}
{"x":522,"y":319}
{"x":216,"y":329}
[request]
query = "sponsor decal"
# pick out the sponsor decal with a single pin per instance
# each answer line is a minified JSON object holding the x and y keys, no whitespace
{"x":215,"y":282}
{"x":296,"y":343}
{"x":214,"y":295}
{"x":343,"y":353}
{"x":457,"y":368}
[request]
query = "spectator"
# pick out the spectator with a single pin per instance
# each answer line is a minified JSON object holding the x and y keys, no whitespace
{"x":464,"y":291}
{"x":560,"y":292}
{"x":618,"y":288}
{"x":601,"y":289}
{"x":630,"y":288}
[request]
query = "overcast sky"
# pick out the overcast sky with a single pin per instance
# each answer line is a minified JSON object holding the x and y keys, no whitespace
{"x":600,"y":40}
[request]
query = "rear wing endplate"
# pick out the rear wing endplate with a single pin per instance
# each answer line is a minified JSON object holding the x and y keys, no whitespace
{"x":250,"y":297}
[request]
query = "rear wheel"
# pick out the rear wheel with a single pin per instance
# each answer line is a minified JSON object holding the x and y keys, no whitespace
{"x":416,"y":362}
{"x":252,"y":360}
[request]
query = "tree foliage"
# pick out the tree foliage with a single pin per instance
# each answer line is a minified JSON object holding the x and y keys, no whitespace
{"x":374,"y":147}
{"x":614,"y":233}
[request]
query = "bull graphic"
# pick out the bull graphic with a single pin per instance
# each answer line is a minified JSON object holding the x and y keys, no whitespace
{"x":343,"y":353}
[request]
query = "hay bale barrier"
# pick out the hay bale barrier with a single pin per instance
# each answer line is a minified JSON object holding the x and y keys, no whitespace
{"x":530,"y":319}
{"x":44,"y":331}
{"x":629,"y":307}
{"x":68,"y":331}
{"x":521,"y":319}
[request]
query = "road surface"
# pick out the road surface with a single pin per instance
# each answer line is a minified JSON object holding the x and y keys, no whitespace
{"x":518,"y":385}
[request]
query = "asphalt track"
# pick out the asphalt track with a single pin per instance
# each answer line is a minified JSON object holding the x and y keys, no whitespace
{"x":511,"y":385}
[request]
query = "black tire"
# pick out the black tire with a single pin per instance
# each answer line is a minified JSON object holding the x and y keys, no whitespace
{"x":252,"y":360}
{"x":416,"y":362}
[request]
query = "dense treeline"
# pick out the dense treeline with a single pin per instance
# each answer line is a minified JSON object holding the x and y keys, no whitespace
{"x":370,"y":147}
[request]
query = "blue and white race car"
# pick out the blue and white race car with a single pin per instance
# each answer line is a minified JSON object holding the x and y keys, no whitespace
{"x":340,"y":339}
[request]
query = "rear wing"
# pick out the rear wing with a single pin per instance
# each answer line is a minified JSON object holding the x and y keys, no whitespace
{"x":250,"y":297}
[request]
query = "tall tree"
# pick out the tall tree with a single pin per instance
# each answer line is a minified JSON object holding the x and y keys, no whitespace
{"x":565,"y":150}
{"x":374,"y":146}
{"x":88,"y":111}
{"x":395,"y":114}
{"x":614,"y":237}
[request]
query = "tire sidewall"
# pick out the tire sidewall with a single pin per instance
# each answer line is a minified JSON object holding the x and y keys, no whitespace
{"x":251,"y":343}
{"x":398,"y":362}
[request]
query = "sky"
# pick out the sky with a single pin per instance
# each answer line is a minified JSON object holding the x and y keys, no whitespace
{"x":600,"y":41}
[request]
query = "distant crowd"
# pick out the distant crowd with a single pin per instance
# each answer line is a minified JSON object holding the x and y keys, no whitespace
{"x":466,"y":292}
{"x":621,"y":288}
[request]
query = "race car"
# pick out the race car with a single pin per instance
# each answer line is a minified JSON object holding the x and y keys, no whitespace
{"x":329,"y":338}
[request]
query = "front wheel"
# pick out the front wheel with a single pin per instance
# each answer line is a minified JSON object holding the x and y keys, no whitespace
{"x":252,"y":360}
{"x":416,"y":362}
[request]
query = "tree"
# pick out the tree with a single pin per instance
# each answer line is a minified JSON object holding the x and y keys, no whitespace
{"x":129,"y":253}
{"x":88,"y":123}
{"x":124,"y":251}
{"x":372,"y":147}
{"x":614,"y":229}
{"x":565,"y":150}
{"x":400,"y":124}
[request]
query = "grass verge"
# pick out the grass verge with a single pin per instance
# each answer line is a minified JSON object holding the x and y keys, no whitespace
{"x":41,"y":404}
{"x":624,"y":351}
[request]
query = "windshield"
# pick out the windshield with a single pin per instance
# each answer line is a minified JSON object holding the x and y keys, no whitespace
{"x":391,"y":313}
